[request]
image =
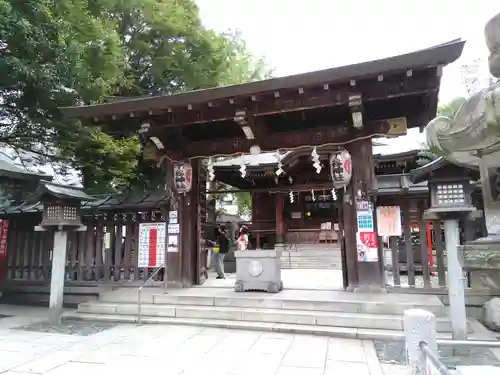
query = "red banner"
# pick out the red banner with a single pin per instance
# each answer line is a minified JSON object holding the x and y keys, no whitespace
{"x":153,"y":236}
{"x":4,"y":233}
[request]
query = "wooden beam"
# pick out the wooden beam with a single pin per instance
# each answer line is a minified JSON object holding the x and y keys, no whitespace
{"x":288,"y":101}
{"x":326,"y":186}
{"x":310,"y":137}
{"x":260,"y":129}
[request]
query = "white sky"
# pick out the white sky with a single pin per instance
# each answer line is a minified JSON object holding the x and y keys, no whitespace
{"x":296,"y":36}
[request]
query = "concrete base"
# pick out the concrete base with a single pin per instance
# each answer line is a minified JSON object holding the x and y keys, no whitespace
{"x":258,"y":270}
{"x":369,"y":289}
{"x":482,"y":259}
{"x":485,"y":279}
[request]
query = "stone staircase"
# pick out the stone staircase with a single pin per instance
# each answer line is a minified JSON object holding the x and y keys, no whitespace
{"x":333,"y":313}
{"x":312,"y":258}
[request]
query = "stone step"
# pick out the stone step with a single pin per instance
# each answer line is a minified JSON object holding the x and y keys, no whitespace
{"x":306,"y":256}
{"x":301,"y":259}
{"x":347,"y":303}
{"x":333,"y":331}
{"x":312,"y":266}
{"x":312,"y":263}
{"x":301,"y":317}
{"x":307,"y":261}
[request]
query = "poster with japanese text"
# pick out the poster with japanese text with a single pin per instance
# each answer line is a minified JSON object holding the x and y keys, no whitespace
{"x":4,"y":232}
{"x":367,"y":246}
{"x":389,"y":221}
{"x":366,"y":237}
{"x":151,"y":245}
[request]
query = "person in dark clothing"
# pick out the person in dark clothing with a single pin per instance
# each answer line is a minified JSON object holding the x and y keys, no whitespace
{"x":223,"y":242}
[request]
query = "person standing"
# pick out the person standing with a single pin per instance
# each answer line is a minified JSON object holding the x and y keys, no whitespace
{"x":223,"y":241}
{"x":243,"y":238}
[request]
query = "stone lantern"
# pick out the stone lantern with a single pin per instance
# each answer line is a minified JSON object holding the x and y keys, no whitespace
{"x":450,"y":197}
{"x":472,"y":138}
{"x":61,"y":213}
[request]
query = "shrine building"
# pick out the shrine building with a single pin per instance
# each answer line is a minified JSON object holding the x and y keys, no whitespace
{"x":321,"y":125}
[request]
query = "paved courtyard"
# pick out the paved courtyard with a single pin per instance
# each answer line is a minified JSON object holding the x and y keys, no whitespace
{"x":180,"y":350}
{"x":131,"y":349}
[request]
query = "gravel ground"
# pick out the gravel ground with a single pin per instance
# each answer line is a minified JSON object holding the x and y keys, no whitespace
{"x":69,"y":327}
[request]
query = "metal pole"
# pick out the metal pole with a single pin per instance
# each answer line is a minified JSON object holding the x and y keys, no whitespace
{"x":419,"y":325}
{"x":455,"y":278}
{"x":165,"y":273}
{"x":139,"y":306}
{"x":470,"y":343}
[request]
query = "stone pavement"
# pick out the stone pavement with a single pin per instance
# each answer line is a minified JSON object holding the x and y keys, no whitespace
{"x":182,"y":350}
{"x":131,"y":349}
{"x":312,"y":279}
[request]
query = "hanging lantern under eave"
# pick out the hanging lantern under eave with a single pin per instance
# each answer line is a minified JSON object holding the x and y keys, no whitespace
{"x":183,"y":177}
{"x":340,"y":168}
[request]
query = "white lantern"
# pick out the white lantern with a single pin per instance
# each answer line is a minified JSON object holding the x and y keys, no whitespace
{"x":340,"y":169}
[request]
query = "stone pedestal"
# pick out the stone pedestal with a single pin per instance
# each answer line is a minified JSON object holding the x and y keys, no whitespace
{"x":58,"y":275}
{"x":482,"y":259}
{"x":258,"y":270}
{"x":229,"y":262}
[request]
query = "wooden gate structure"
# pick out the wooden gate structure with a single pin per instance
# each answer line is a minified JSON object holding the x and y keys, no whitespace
{"x":105,"y":255}
{"x":318,"y":109}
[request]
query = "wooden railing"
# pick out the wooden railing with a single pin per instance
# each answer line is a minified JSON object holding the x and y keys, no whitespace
{"x":106,"y":251}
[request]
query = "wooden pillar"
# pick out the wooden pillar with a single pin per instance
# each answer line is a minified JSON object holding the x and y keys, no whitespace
{"x":188,"y":247}
{"x":362,"y":276}
{"x":349,"y":226}
{"x":280,"y":228}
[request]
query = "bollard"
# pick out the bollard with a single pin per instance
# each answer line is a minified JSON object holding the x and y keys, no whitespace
{"x":419,"y":325}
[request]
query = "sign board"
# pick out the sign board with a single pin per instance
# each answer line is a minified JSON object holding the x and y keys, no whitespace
{"x":367,"y":248}
{"x":151,"y":249}
{"x":365,"y":221}
{"x":173,"y":243}
{"x":389,"y":221}
{"x":172,"y":217}
{"x":366,"y":237}
{"x":173,"y":228}
{"x":397,"y":126}
{"x":4,"y":232}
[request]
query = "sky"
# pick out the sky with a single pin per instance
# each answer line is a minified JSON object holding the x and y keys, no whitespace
{"x":296,"y":36}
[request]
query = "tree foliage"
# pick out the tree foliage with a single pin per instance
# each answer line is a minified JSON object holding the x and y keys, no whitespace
{"x":72,"y":52}
{"x":243,"y":199}
{"x":451,"y":108}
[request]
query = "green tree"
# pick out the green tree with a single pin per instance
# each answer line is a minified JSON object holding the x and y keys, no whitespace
{"x":451,"y":108}
{"x":81,"y":51}
{"x":52,"y":54}
{"x":244,"y":203}
{"x":243,"y":199}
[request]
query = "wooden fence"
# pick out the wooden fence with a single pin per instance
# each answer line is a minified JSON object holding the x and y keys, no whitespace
{"x":105,"y":252}
{"x":417,"y":259}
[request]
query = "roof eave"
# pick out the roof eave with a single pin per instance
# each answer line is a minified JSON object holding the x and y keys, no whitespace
{"x":438,"y":55}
